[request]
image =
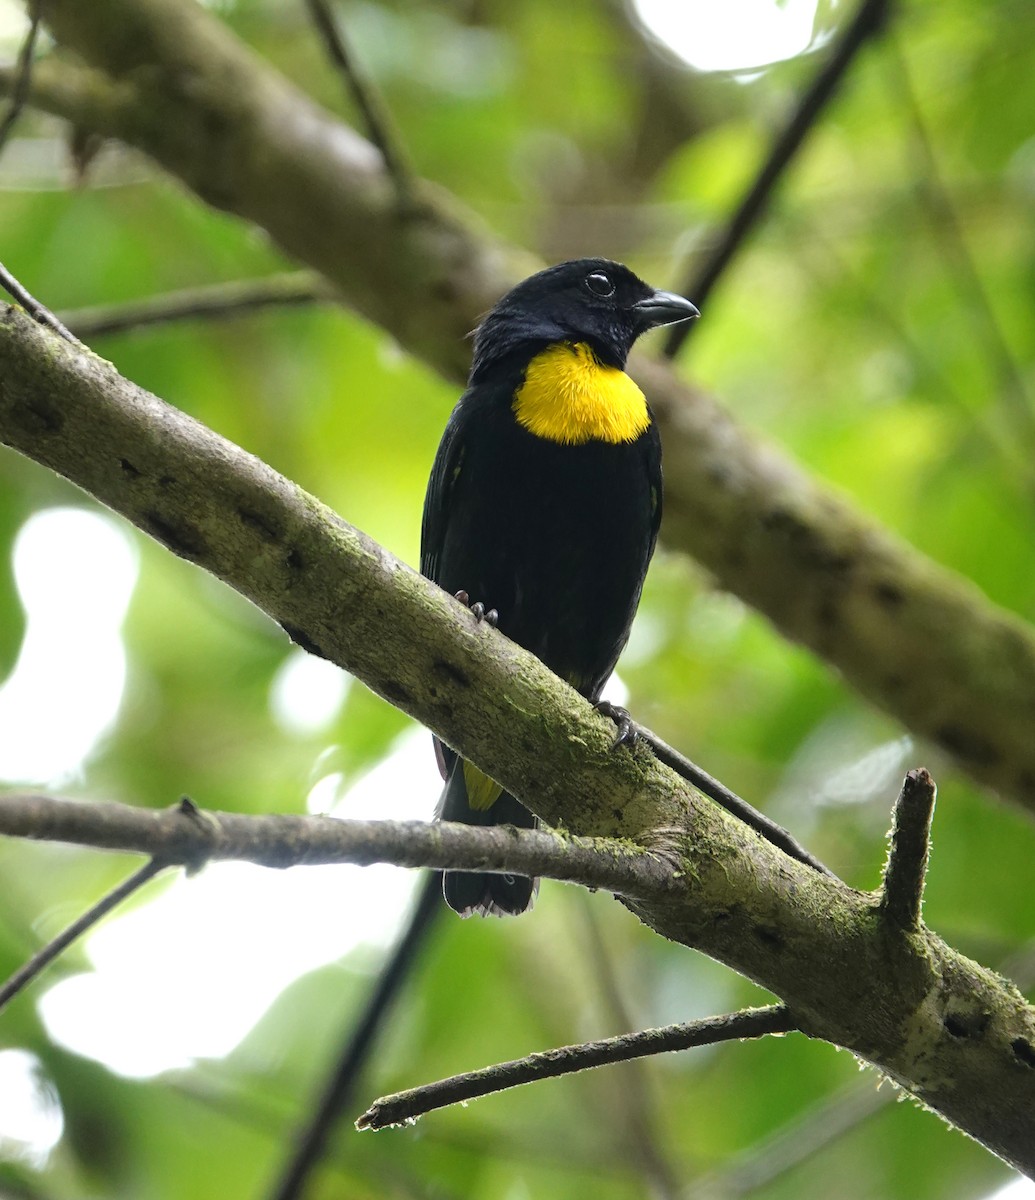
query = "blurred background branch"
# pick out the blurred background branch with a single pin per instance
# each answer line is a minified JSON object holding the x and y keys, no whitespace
{"x":217,"y":301}
{"x":376,"y":117}
{"x":870,"y":19}
{"x":21,"y":76}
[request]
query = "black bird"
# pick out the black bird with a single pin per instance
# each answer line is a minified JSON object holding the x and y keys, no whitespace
{"x":544,"y":504}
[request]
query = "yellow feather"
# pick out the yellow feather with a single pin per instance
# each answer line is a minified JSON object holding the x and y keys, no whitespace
{"x":569,"y":396}
{"x":482,"y":792}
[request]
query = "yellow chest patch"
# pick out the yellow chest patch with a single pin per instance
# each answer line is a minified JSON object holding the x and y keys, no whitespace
{"x":570,"y":396}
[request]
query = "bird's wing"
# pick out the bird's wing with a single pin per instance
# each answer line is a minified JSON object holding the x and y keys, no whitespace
{"x":438,"y":501}
{"x":656,"y":482}
{"x":445,"y":472}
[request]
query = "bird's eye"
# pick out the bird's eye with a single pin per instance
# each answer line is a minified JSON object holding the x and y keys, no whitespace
{"x":600,"y":284}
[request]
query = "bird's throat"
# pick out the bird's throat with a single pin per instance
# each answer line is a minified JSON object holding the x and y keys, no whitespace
{"x":570,"y":396}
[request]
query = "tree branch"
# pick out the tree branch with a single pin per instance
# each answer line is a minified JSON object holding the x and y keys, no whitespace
{"x":222,"y":300}
{"x":32,"y":306}
{"x":192,"y":836}
{"x":375,"y":115}
{"x":903,"y":889}
{"x":22,"y":75}
{"x":405,"y":1107}
{"x":246,"y":141}
{"x":818,"y":1127}
{"x":730,"y":801}
{"x":959,"y":1037}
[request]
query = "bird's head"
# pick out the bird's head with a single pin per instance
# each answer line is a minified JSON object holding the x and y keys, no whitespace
{"x":591,"y":300}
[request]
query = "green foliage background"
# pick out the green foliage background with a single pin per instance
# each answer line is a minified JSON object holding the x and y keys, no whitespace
{"x":851,"y":332}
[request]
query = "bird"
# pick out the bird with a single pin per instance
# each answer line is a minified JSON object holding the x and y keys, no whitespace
{"x":543,"y":505}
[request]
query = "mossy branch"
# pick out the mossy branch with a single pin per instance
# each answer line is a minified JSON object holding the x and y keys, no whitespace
{"x":906,"y":868}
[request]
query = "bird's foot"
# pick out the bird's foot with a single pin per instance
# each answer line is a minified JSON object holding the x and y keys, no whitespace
{"x":489,"y":615}
{"x":628,"y":733}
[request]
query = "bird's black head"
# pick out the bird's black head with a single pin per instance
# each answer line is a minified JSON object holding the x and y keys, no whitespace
{"x":591,"y":300}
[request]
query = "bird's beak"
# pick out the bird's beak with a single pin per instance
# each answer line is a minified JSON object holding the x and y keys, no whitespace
{"x":664,"y":308}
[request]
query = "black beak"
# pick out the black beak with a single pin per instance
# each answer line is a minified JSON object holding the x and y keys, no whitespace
{"x":664,"y":308}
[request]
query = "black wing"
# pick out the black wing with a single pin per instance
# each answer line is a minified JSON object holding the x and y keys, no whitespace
{"x":652,"y":445}
{"x":445,"y":471}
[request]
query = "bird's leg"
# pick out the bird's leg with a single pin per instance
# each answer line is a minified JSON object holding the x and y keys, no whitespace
{"x":628,"y":733}
{"x":489,"y":615}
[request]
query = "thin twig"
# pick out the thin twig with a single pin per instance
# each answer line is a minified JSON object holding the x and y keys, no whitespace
{"x":730,"y":801}
{"x":406,"y":1107}
{"x":379,"y":125}
{"x":42,"y":958}
{"x":972,"y":291}
{"x":869,"y":20}
{"x":282,"y":841}
{"x":40,"y":314}
{"x":340,"y":1087}
{"x":23,"y":74}
{"x":218,"y":300}
{"x":903,"y":890}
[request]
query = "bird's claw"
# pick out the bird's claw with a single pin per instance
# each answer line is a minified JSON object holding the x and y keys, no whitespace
{"x":478,"y":610}
{"x":628,"y":733}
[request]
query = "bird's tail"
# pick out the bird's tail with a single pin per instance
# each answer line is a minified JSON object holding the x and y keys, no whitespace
{"x":474,"y":799}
